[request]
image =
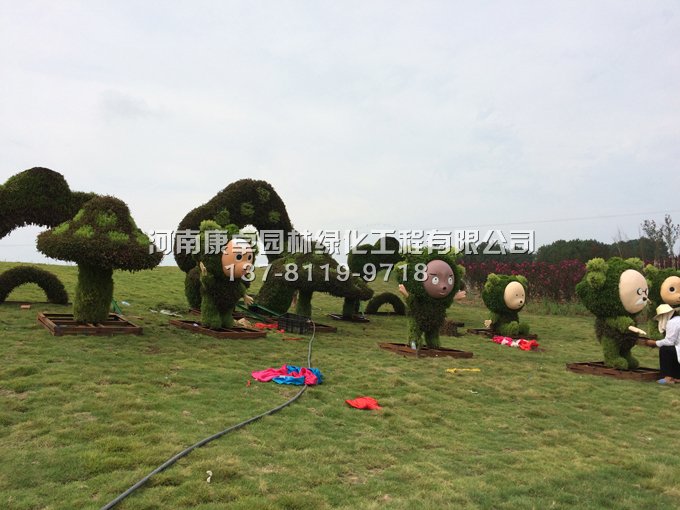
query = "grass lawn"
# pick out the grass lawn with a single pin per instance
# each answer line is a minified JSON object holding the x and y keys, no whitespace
{"x":83,"y":418}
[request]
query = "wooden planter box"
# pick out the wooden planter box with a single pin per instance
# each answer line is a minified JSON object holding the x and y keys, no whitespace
{"x":424,"y":352}
{"x":598,"y":368}
{"x":64,"y":324}
{"x":235,"y":332}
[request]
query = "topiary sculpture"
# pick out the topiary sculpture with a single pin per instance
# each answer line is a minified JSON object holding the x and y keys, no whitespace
{"x":304,"y":274}
{"x":243,"y":202}
{"x":664,"y":286}
{"x":430,"y":282}
{"x":17,"y":276}
{"x":390,"y":298}
{"x":615,"y":291}
{"x":101,"y":237}
{"x":505,"y":296}
{"x":221,"y":275}
{"x":365,"y":261}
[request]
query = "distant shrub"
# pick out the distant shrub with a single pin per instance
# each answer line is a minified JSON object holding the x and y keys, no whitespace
{"x":20,"y":275}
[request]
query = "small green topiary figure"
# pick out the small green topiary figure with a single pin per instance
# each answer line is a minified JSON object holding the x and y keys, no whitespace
{"x":615,"y":291}
{"x":221,"y":275}
{"x":101,"y":237}
{"x":664,"y":286}
{"x":505,"y":295}
{"x":430,"y":283}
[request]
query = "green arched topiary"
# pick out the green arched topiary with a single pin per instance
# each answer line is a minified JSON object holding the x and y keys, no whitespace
{"x":20,"y":275}
{"x":386,"y":298}
{"x":504,"y":321}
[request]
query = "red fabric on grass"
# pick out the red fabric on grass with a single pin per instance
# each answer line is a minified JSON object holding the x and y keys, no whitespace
{"x":364,"y":403}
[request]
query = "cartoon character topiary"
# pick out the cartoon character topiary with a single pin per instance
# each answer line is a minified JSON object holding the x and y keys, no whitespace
{"x":430,"y":283}
{"x":101,"y":237}
{"x":221,"y":271}
{"x":615,"y":291}
{"x":664,"y":286}
{"x":505,"y":296}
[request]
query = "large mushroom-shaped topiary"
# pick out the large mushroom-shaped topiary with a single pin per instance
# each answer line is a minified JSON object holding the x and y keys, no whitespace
{"x":430,"y":283}
{"x":101,"y":237}
{"x":306,"y":273}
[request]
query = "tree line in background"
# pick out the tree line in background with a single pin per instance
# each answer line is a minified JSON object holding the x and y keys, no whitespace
{"x":555,"y":269}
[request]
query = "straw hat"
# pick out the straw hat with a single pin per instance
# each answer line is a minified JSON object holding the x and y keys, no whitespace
{"x":662,"y":310}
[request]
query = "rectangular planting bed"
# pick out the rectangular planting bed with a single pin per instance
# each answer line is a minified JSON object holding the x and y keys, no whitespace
{"x":599,"y":368}
{"x":235,"y":332}
{"x":64,"y":324}
{"x":424,"y":352}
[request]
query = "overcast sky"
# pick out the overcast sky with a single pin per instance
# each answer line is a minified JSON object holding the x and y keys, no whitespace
{"x":361,"y":114}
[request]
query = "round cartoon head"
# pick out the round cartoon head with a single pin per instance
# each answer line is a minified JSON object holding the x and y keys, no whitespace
{"x":514,"y":295}
{"x":633,"y":291}
{"x":670,"y":291}
{"x":613,"y":288}
{"x":439,"y":279}
{"x":237,"y":258}
{"x":502,"y":293}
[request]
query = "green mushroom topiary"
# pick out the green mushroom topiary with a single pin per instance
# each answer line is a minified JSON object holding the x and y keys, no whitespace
{"x":615,"y":291}
{"x":505,"y":296}
{"x":220,"y":273}
{"x":430,"y":281}
{"x":389,"y":298}
{"x":101,"y":237}
{"x":17,"y":276}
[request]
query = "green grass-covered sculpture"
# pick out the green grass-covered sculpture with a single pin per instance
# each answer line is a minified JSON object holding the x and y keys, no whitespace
{"x":101,"y":237}
{"x":366,"y":260}
{"x":20,"y":275}
{"x":615,"y":291}
{"x":429,"y":282}
{"x":664,"y":286}
{"x":505,"y":296}
{"x":220,"y":271}
{"x":304,"y":274}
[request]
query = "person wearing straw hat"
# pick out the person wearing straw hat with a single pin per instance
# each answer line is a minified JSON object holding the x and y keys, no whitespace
{"x":669,"y":346}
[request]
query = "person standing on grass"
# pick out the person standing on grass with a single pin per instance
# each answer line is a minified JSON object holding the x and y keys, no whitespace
{"x":669,"y":346}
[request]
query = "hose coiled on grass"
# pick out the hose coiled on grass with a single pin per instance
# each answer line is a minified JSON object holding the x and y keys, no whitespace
{"x":205,"y":441}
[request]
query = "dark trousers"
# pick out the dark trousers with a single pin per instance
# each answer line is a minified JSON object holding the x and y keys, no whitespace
{"x":668,"y":362}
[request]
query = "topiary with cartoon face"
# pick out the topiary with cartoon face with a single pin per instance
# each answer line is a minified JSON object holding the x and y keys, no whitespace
{"x":222,"y":267}
{"x":664,"y":286}
{"x":430,"y":283}
{"x":615,"y":291}
{"x":505,"y":296}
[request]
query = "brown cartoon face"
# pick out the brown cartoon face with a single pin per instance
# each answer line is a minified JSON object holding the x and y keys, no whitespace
{"x":670,"y":291}
{"x":237,"y":259}
{"x":633,"y":291}
{"x":514,"y":295}
{"x":440,"y":279}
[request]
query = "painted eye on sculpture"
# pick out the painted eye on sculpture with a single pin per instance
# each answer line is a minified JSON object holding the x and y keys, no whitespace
{"x":239,"y":256}
{"x":250,"y":256}
{"x":639,"y":292}
{"x":672,"y":289}
{"x":450,"y":280}
{"x":435,"y":280}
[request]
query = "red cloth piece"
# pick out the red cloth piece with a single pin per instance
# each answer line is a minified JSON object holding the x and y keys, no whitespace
{"x":269,"y":374}
{"x":364,"y":403}
{"x":528,"y":345}
{"x":310,"y":377}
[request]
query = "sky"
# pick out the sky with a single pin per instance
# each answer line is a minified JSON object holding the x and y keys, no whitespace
{"x":561,"y":117}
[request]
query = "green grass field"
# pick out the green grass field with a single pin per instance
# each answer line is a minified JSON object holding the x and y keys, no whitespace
{"x":83,"y":418}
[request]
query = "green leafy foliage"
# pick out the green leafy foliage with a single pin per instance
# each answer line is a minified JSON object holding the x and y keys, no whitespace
{"x":656,"y":278}
{"x":20,"y":275}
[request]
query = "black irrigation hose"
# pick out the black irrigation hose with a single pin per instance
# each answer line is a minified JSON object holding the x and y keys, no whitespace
{"x":205,"y":441}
